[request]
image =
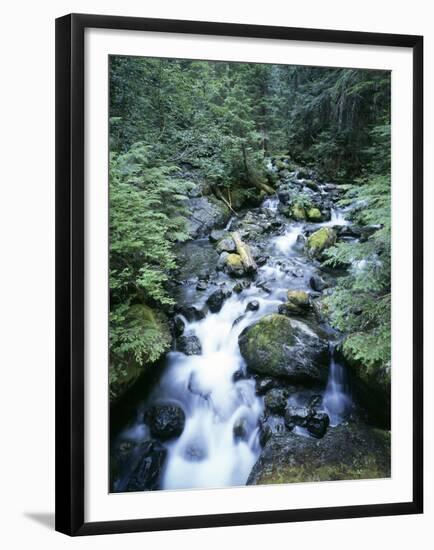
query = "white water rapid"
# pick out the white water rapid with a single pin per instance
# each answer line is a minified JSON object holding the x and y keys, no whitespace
{"x":207,"y":454}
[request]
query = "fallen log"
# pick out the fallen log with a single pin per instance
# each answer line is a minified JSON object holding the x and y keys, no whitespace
{"x":220,"y":196}
{"x":244,"y":252}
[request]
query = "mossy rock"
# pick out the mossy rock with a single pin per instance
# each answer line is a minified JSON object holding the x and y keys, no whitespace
{"x":278,"y":347}
{"x":297,"y":212}
{"x":349,"y":451}
{"x":298,"y":303}
{"x":226,"y":244}
{"x":234,"y":265}
{"x":314,"y":215}
{"x":320,"y":241}
{"x":153,"y":327}
{"x":298,"y":297}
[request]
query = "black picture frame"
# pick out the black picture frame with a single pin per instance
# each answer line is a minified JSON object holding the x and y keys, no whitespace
{"x":70,"y":239}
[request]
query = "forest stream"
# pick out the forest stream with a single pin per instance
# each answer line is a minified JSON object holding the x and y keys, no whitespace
{"x":231,"y":407}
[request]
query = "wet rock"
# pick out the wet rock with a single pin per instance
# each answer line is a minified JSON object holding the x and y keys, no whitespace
{"x":207,"y":213}
{"x":319,"y":241}
{"x":297,"y":212}
{"x":238,"y":320}
{"x":315,"y":401}
{"x":234,"y":266}
{"x":279,"y":347}
{"x":201,"y":285}
{"x":301,"y":240}
{"x":317,"y":283}
{"x":146,"y":476}
{"x":191,"y":313}
{"x":349,"y":451}
{"x":298,"y":303}
{"x":216,"y":235}
{"x":261,"y":260}
{"x":221,"y":263}
{"x":264,"y":384}
{"x":264,"y":285}
{"x":189,"y":344}
{"x":166,"y":421}
{"x":252,"y":306}
{"x":240,"y":286}
{"x":178,"y":326}
{"x":216,"y":299}
{"x":239,"y":375}
{"x":270,"y":426}
{"x":314,"y":215}
{"x":297,"y":416}
{"x":275,"y":401}
{"x":317,"y":424}
{"x":226,"y":245}
{"x":284,"y":196}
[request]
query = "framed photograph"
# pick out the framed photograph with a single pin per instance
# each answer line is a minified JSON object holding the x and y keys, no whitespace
{"x":238,"y":274}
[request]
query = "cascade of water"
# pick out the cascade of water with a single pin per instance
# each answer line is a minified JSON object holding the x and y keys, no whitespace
{"x":337,"y":400}
{"x":285,"y":243}
{"x":219,"y":443}
{"x":337,"y":218}
{"x":271,"y":203}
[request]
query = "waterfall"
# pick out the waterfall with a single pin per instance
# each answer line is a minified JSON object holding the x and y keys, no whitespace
{"x":337,"y":400}
{"x":271,"y":203}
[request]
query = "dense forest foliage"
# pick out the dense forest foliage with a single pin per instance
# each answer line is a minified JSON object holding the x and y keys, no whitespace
{"x":225,"y":120}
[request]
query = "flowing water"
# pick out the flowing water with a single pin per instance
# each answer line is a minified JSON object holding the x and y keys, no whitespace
{"x":271,"y":203}
{"x":337,"y":401}
{"x":220,"y":441}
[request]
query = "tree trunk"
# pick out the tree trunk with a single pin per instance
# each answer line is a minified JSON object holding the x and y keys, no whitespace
{"x":243,"y":250}
{"x":251,"y":179}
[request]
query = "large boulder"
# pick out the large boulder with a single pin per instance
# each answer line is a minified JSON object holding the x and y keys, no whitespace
{"x":207,"y":213}
{"x":146,"y":475}
{"x":278,"y":347}
{"x":320,"y":240}
{"x":349,"y":451}
{"x":166,"y":421}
